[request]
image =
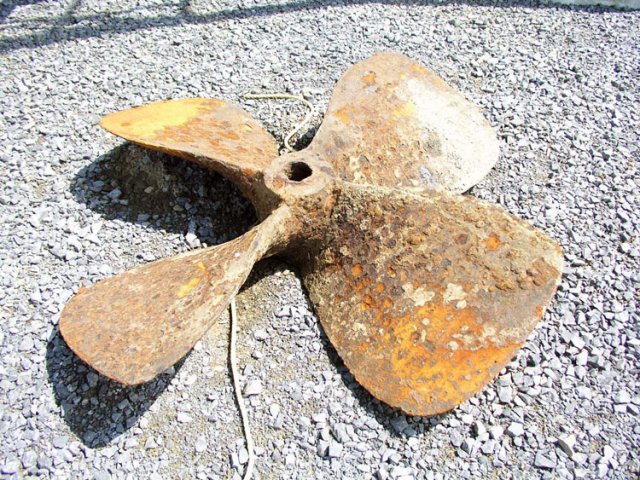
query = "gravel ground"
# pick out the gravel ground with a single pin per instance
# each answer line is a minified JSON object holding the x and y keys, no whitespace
{"x":561,"y":85}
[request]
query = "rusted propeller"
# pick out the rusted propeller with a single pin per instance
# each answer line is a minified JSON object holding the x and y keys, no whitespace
{"x":424,"y":293}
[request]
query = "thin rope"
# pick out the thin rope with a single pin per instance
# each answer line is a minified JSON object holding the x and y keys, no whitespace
{"x":236,"y":386}
{"x":286,"y":96}
{"x":232,"y":343}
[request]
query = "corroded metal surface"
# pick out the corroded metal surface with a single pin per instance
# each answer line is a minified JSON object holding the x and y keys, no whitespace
{"x":213,"y":133}
{"x":137,"y":324}
{"x":425,"y":296}
{"x":395,"y":123}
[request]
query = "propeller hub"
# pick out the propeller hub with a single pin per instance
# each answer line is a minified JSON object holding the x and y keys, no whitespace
{"x":307,"y":185}
{"x":299,"y":175}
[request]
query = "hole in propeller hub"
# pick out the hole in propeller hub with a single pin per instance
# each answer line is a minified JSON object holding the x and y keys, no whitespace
{"x":298,"y":175}
{"x":297,"y":171}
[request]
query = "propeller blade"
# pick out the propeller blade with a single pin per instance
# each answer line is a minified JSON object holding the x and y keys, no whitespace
{"x":393,"y":122}
{"x":426,"y":297}
{"x":137,"y":324}
{"x":213,"y":133}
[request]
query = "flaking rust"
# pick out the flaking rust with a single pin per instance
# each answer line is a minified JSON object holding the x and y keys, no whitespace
{"x":425,"y":294}
{"x":424,"y":306}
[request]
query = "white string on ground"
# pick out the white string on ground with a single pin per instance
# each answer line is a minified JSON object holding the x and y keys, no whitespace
{"x":286,"y":96}
{"x":236,"y":386}
{"x":232,"y":343}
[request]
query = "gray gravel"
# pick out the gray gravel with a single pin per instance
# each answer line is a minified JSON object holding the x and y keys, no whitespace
{"x":562,"y":86}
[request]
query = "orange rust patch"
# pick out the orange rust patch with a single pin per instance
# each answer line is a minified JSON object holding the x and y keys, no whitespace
{"x":407,"y":109}
{"x":146,"y":121}
{"x":343,"y":116}
{"x":362,"y":284}
{"x":356,"y":270}
{"x":492,"y":242}
{"x":188,"y":287}
{"x":230,"y":135}
{"x":447,"y":348}
{"x":369,"y":79}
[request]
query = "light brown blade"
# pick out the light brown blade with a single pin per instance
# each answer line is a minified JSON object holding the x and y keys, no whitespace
{"x":393,"y":122}
{"x":427,"y":297}
{"x":137,"y":324}
{"x":214,"y":133}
